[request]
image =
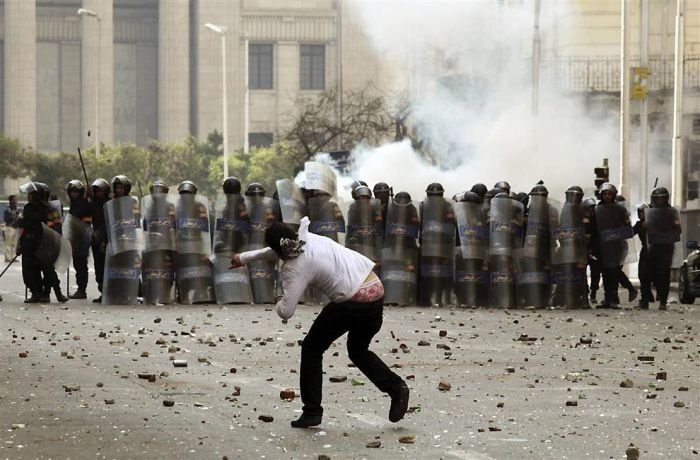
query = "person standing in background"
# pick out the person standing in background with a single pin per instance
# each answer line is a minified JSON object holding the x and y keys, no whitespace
{"x":11,"y":217}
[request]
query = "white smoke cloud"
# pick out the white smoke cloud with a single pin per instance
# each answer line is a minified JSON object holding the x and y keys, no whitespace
{"x":466,"y":68}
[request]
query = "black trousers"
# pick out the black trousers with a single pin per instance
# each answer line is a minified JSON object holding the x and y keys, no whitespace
{"x":644,"y":271}
{"x":31,"y":273}
{"x":611,"y":280}
{"x":361,"y":321}
{"x":80,"y":264}
{"x":625,"y":281}
{"x":660,"y":261}
{"x":51,"y":280}
{"x":99,"y":261}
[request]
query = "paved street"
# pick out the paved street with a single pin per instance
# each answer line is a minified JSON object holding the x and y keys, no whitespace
{"x":84,"y":381}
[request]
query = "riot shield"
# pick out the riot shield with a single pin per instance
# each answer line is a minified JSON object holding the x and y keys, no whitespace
{"x":158,"y":275}
{"x":437,"y":243}
{"x":662,"y":225}
{"x":122,"y":219}
{"x":326,"y":217}
{"x":320,"y":177}
{"x":400,"y":254}
{"x":159,"y":212}
{"x":614,"y":228}
{"x":232,"y":226}
{"x":262,"y":212}
{"x":569,"y":257}
{"x":663,"y":232}
{"x":505,"y":236}
{"x":364,"y":221}
{"x":78,"y":233}
{"x":533,"y":259}
{"x":192,"y":228}
{"x":505,"y":226}
{"x":121,"y":277}
{"x":437,"y":236}
{"x":292,"y":202}
{"x":54,"y":250}
{"x":194,"y":279}
{"x":471,"y":230}
{"x":231,"y":286}
{"x":569,"y":236}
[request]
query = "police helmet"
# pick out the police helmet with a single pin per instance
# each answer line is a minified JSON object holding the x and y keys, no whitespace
{"x":123,"y":181}
{"x":479,"y":189}
{"x":362,"y":191}
{"x":255,"y":189}
{"x":660,"y":197}
{"x":187,"y":186}
{"x":539,"y":190}
{"x":381,"y":187}
{"x":102,"y":184}
{"x":402,"y":198}
{"x":435,"y":189}
{"x":75,"y":185}
{"x":158,"y":186}
{"x":503,"y":185}
{"x":608,"y":187}
{"x":232,"y":185}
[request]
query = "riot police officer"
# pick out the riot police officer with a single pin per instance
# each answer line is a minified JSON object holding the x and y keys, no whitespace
{"x":614,"y":229}
{"x":100,"y":195}
{"x":437,"y":242}
{"x":662,"y":224}
{"x":480,"y":189}
{"x":51,"y":280}
{"x":643,"y":264}
{"x":78,"y":230}
{"x":33,"y":216}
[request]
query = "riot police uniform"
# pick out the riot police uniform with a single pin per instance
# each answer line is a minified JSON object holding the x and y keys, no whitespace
{"x":77,"y":228}
{"x":100,"y":195}
{"x":34,"y":214}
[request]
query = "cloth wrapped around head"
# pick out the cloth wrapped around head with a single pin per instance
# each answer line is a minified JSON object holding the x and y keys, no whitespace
{"x":284,"y":241}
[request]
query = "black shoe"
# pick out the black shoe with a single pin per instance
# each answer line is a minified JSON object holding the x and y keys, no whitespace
{"x":60,"y":297}
{"x":33,"y":299}
{"x":608,"y":304}
{"x":78,"y":295}
{"x":663,"y":306}
{"x":399,"y":403}
{"x":45,"y":299}
{"x":97,"y":300}
{"x":306,"y":421}
{"x":643,"y":305}
{"x":633,"y":294}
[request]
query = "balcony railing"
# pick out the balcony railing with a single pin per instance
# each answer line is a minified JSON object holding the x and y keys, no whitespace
{"x":602,"y":73}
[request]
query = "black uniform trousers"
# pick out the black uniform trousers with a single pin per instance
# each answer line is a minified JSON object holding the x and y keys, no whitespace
{"x":660,"y":260}
{"x":361,"y":321}
{"x":611,"y":281}
{"x":80,"y":264}
{"x":31,"y":272}
{"x":98,"y":258}
{"x":644,"y":271}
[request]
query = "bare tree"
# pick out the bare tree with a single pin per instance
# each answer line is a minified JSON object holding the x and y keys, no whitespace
{"x":317,"y":125}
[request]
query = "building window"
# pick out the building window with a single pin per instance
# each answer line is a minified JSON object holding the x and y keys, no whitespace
{"x":259,"y":140}
{"x":260,"y":66}
{"x":313,"y":67}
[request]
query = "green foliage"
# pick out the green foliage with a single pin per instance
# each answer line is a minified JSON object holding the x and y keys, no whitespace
{"x":200,"y":162}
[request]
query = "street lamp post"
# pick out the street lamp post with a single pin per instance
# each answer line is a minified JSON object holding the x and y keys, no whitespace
{"x":90,"y":13}
{"x":221,"y":30}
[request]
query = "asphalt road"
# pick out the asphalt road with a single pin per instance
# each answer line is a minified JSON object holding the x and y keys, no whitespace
{"x":81,"y":380}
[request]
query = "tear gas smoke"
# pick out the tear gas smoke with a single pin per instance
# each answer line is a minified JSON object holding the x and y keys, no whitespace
{"x":466,"y":67}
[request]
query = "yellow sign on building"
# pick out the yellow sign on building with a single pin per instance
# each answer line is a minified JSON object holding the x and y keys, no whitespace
{"x":639,"y":83}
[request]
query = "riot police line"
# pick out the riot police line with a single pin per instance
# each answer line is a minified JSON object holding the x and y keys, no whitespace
{"x":485,"y":247}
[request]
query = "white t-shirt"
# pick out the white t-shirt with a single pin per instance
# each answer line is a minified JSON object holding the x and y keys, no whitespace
{"x":336,"y":271}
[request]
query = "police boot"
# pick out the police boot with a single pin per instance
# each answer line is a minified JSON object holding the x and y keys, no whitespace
{"x":643,"y":304}
{"x":79,"y":294}
{"x":632,"y":294}
{"x":59,"y":295}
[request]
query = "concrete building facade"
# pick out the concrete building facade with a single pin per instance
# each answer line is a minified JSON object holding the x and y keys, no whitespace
{"x":159,"y":69}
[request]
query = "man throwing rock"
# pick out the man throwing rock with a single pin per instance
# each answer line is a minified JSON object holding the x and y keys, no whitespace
{"x":356,"y":307}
